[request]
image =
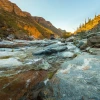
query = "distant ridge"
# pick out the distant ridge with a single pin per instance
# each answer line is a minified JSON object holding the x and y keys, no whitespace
{"x":15,"y":21}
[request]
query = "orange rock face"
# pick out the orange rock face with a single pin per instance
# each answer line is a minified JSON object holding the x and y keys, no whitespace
{"x":33,"y":31}
{"x":6,"y":5}
{"x":11,"y":7}
{"x":14,"y":87}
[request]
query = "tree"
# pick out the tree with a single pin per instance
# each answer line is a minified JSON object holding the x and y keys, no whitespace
{"x":83,"y":25}
{"x":85,"y":21}
{"x":89,"y":20}
{"x":80,"y":26}
{"x":95,"y":16}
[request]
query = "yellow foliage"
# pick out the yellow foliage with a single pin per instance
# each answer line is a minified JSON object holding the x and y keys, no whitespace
{"x":32,"y":31}
{"x":89,"y":25}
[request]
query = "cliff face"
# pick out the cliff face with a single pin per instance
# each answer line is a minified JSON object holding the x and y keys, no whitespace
{"x":6,"y":5}
{"x":11,"y":7}
{"x":22,"y":23}
{"x":47,"y":24}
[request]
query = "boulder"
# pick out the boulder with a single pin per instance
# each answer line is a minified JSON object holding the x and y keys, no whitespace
{"x":52,"y":36}
{"x":14,"y":86}
{"x":63,"y":40}
{"x":10,"y":37}
{"x":82,"y":44}
{"x":94,"y":41}
{"x":95,"y":51}
{"x":93,"y":34}
{"x":30,"y":38}
{"x":50,"y":51}
{"x":70,"y":39}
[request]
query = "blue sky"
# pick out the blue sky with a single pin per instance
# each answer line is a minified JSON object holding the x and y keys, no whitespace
{"x":64,"y":14}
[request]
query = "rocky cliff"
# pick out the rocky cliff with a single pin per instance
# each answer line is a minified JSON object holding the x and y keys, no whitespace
{"x":47,"y":24}
{"x":22,"y":23}
{"x":11,"y":7}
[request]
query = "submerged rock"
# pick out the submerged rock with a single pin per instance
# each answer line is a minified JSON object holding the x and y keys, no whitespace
{"x":80,"y":43}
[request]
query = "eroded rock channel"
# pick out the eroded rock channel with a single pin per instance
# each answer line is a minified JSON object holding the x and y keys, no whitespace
{"x":49,"y":70}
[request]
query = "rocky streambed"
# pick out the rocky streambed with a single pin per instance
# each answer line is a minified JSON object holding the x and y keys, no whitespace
{"x":48,"y":70}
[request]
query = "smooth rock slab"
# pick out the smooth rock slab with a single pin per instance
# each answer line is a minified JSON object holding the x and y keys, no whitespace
{"x":67,"y":54}
{"x":5,"y":54}
{"x":95,"y":51}
{"x":50,"y":51}
{"x":78,"y":79}
{"x":15,"y":86}
{"x":10,"y":62}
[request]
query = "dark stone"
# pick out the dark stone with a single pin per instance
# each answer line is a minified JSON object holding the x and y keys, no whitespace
{"x":0,"y":39}
{"x":52,"y":37}
{"x":33,"y":94}
{"x":70,"y":39}
{"x":84,"y":46}
{"x":50,"y":51}
{"x":94,"y":41}
{"x":47,"y":52}
{"x":79,"y":44}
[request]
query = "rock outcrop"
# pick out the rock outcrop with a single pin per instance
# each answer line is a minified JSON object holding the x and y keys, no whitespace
{"x":15,"y":86}
{"x":90,"y":40}
{"x":94,"y":41}
{"x":13,"y":8}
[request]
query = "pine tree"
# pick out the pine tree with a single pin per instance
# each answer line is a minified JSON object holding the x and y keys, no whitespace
{"x":95,"y":16}
{"x":80,"y":26}
{"x":85,"y":21}
{"x":89,"y":20}
{"x":83,"y":25}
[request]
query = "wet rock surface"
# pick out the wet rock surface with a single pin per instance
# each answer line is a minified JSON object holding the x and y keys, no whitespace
{"x":77,"y":79}
{"x":48,"y":70}
{"x":21,"y":68}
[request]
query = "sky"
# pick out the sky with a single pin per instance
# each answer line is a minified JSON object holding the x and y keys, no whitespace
{"x":64,"y":14}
